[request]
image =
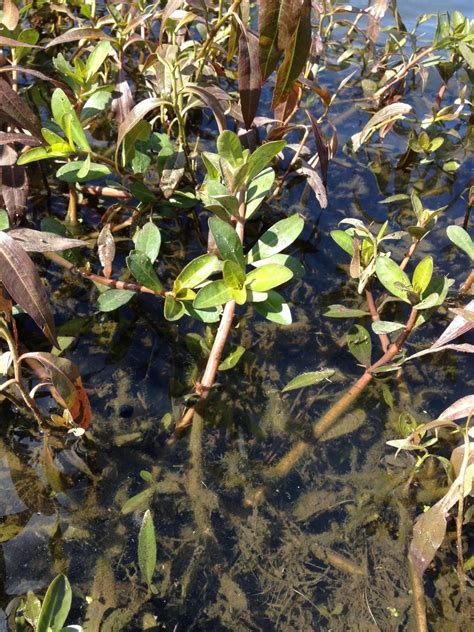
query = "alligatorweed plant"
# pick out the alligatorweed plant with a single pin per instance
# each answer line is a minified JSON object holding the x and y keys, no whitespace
{"x":164,"y":131}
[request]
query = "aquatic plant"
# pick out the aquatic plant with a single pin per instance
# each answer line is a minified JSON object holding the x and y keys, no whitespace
{"x":149,"y":170}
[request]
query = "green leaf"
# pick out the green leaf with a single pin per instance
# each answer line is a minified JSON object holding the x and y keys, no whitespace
{"x":343,"y":240}
{"x":392,"y":277}
{"x":141,"y":267}
{"x":56,"y":605}
{"x":62,"y":109}
{"x":262,"y":157}
{"x":96,"y":103}
{"x":386,"y":327}
{"x":211,"y":315}
{"x":267,"y":277}
{"x":113,"y":299}
{"x":308,"y":379}
{"x":51,"y":137}
{"x":138,"y":501}
{"x":197,"y":271}
{"x":97,"y":58}
{"x":227,"y":241}
{"x":461,"y":239}
{"x":147,"y":548}
{"x":232,"y":359}
{"x":275,"y":309}
{"x":283,"y":260}
{"x":234,"y":275}
{"x":41,"y":153}
{"x":257,"y":190}
{"x":148,"y":240}
{"x":277,"y":238}
{"x":173,"y":310}
{"x":213,"y":294}
{"x":71,"y":172}
{"x":340,"y":311}
{"x":4,"y":220}
{"x":422,"y":275}
{"x":229,"y":147}
{"x":296,"y":55}
{"x":360,"y":344}
{"x":427,"y":303}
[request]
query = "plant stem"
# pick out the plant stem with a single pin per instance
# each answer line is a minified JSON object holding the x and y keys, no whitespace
{"x":418,"y":598}
{"x":222,"y":334}
{"x":334,"y":413}
{"x":96,"y":278}
{"x":71,"y":216}
{"x":384,"y":339}
{"x":466,"y":286}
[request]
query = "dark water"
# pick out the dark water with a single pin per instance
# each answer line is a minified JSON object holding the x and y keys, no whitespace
{"x":326,"y":548}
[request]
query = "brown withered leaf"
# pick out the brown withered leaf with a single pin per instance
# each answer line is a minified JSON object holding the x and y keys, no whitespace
{"x":106,"y":249}
{"x":285,"y":110}
{"x":8,"y":41}
{"x":212,"y":97}
{"x":11,"y":15}
{"x":122,"y":102}
{"x":171,"y":6}
{"x":173,"y":171}
{"x":296,"y":54}
{"x":135,"y":116}
{"x":376,"y":12}
{"x":13,"y":184}
{"x":321,"y":147}
{"x":17,"y":137}
{"x":38,"y":241}
{"x":73,"y":35}
{"x":22,"y":281}
{"x":250,"y":82}
{"x":35,"y":73}
{"x":315,"y":182}
{"x":15,"y":111}
{"x":68,"y":389}
{"x":277,"y":21}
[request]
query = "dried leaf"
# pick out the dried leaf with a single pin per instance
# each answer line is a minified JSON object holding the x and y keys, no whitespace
{"x":322,"y":148}
{"x":14,"y":189}
{"x":14,"y":110}
{"x":171,"y":7}
{"x":106,"y":250}
{"x":135,"y":116}
{"x":11,"y":15}
{"x":277,"y":21}
{"x":211,"y":97}
{"x":463,"y":407}
{"x":22,"y":281}
{"x":388,"y":114}
{"x":122,"y":103}
{"x":68,"y":389}
{"x":17,"y":137}
{"x":315,"y":182}
{"x":296,"y":55}
{"x":38,"y":241}
{"x":73,"y":35}
{"x":8,"y":41}
{"x":172,"y":173}
{"x":376,"y":12}
{"x":249,"y":75}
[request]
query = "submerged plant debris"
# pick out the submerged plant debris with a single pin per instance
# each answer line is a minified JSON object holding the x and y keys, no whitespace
{"x":236,"y":269}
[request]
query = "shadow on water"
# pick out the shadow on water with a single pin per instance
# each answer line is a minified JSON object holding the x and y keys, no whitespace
{"x":326,"y":548}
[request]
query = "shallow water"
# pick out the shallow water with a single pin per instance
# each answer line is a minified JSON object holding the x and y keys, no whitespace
{"x":326,"y":547}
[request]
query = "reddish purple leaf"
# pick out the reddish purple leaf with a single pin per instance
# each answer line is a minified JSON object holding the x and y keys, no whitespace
{"x":322,"y":148}
{"x":68,"y":389}
{"x":250,"y":83}
{"x":14,"y":110}
{"x":22,"y":281}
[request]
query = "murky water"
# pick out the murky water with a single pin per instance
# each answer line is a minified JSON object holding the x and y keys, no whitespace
{"x":326,"y":547}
